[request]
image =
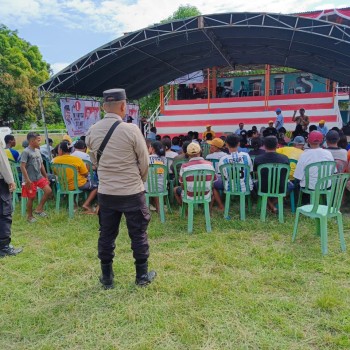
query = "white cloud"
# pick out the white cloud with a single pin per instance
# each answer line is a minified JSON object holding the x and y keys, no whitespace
{"x":115,"y":17}
{"x":57,"y":67}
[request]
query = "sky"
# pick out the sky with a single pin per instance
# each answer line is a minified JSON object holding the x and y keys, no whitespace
{"x":65,"y":30}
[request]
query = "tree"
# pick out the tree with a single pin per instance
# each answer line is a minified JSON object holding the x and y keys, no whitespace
{"x":22,"y":70}
{"x":149,"y":103}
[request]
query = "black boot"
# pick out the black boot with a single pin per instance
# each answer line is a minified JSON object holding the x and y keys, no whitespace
{"x":8,"y":250}
{"x":143,"y":277}
{"x":107,"y":276}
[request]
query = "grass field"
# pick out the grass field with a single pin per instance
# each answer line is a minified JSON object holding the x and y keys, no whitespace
{"x":243,"y":286}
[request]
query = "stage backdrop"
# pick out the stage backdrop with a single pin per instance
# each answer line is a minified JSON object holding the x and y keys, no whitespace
{"x":79,"y":115}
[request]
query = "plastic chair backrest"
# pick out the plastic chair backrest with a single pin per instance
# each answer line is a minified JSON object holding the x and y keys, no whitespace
{"x":199,"y":183}
{"x":205,"y":149}
{"x":274,"y":174}
{"x":47,"y":164}
{"x":215,"y":163}
{"x":155,"y":172}
{"x":63,"y":171}
{"x":89,"y":167}
{"x":336,"y":185}
{"x":324,"y":168}
{"x":14,"y":169}
{"x":234,"y":175}
{"x":169,"y":162}
{"x":176,"y":166}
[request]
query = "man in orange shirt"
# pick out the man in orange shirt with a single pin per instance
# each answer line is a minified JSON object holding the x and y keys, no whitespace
{"x":84,"y":184}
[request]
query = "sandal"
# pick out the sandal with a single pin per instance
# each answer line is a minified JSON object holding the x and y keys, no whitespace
{"x":42,"y":214}
{"x":32,"y":220}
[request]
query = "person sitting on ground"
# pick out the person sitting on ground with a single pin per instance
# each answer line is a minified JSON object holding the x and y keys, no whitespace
{"x":196,"y":162}
{"x":208,"y":130}
{"x":340,"y":155}
{"x":175,"y":144}
{"x":234,"y":156}
{"x":157,"y":156}
{"x":34,"y":176}
{"x":256,"y":144}
{"x":293,"y":152}
{"x":314,"y":154}
{"x":84,"y":183}
{"x":11,"y":153}
{"x":271,"y":156}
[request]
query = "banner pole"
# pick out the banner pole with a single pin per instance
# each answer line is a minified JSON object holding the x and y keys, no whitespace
{"x":44,"y":122}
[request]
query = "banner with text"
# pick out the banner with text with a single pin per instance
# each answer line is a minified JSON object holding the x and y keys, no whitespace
{"x":79,"y":115}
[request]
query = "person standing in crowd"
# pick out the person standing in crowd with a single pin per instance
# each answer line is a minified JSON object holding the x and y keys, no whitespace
{"x":322,"y":127}
{"x":10,"y":142}
{"x":302,"y":119}
{"x":7,"y":185}
{"x":34,"y":176}
{"x":122,"y":170}
{"x":279,"y":119}
{"x":240,"y":128}
{"x":208,"y":131}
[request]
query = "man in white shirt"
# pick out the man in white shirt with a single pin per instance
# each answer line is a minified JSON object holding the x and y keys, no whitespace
{"x":312,"y":155}
{"x":240,"y":128}
{"x":80,"y":150}
{"x":216,"y":152}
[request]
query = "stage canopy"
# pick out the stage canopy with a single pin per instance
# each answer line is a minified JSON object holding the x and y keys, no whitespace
{"x":144,"y":60}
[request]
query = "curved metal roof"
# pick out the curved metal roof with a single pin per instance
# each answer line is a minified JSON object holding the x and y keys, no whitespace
{"x":144,"y":60}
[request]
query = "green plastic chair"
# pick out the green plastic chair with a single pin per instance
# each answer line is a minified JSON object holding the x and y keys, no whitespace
{"x":200,"y":186}
{"x":322,"y":213}
{"x":274,"y":184}
{"x":324,"y":168}
{"x":231,"y":175}
{"x":91,"y":170}
{"x":171,"y":179}
{"x":177,"y":166}
{"x":18,"y":190}
{"x":205,"y":147}
{"x":62,"y":186}
{"x":292,"y":193}
{"x":215,"y":163}
{"x":154,"y":172}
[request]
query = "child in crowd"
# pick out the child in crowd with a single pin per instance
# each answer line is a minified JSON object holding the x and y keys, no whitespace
{"x":34,"y":176}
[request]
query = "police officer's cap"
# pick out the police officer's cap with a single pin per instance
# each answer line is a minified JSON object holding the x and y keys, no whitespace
{"x":114,"y":95}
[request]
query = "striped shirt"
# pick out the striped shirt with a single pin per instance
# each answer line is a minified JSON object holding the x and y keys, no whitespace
{"x":242,"y":158}
{"x":196,"y":163}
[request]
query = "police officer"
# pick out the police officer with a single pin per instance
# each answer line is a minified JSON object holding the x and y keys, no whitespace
{"x":122,"y":169}
{"x":7,"y":185}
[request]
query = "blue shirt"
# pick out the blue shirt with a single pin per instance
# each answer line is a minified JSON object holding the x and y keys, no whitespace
{"x":279,"y":121}
{"x":323,"y":130}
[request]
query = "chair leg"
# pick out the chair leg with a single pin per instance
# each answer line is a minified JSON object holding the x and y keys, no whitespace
{"x":58,"y":200}
{"x":324,"y":236}
{"x":161,"y":209}
{"x":227,"y":205}
{"x":242,"y":206}
{"x":296,"y":223}
{"x":14,"y":196}
{"x":183,"y":210}
{"x":292,"y":201}
{"x":190,"y":218}
{"x":300,"y":197}
{"x":168,"y":205}
{"x":280,"y":210}
{"x":341,"y":232}
{"x":207,"y":216}
{"x":318,"y":227}
{"x":263,"y":208}
{"x":71,"y":205}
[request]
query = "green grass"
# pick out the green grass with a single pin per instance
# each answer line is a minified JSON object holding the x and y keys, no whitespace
{"x":243,"y":286}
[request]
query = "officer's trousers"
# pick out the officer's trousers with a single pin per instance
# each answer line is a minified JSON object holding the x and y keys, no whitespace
{"x":137,"y":218}
{"x":5,"y":214}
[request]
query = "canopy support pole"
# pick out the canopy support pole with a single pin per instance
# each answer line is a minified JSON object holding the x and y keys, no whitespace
{"x":41,"y":97}
{"x":267,"y":86}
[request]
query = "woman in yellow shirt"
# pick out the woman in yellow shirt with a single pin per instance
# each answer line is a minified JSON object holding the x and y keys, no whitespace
{"x":84,"y":184}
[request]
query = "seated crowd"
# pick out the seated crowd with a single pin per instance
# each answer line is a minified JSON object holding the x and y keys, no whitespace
{"x":249,"y":147}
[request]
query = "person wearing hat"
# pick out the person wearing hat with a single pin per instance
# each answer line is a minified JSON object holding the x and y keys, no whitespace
{"x":216,"y":151}
{"x":122,"y":170}
{"x":301,"y":119}
{"x":339,"y":154}
{"x":7,"y":185}
{"x":314,"y":154}
{"x":279,"y":119}
{"x":270,"y":130}
{"x":322,"y":127}
{"x":196,"y":162}
{"x":293,"y":152}
{"x":207,"y":131}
